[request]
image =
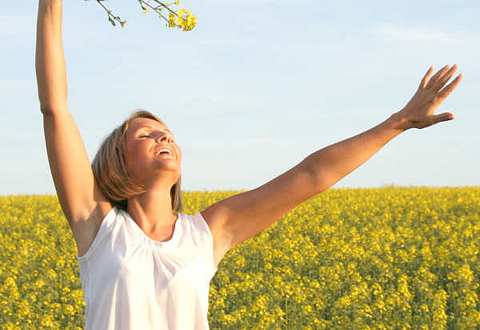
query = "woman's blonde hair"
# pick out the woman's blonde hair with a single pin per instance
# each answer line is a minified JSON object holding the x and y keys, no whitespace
{"x":110,"y":168}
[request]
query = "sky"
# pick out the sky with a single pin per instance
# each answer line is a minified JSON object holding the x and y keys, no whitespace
{"x":255,"y":88}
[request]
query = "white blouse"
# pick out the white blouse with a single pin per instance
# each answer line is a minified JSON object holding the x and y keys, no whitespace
{"x":131,"y":281}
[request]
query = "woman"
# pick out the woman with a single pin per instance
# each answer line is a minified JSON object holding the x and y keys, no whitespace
{"x":143,"y":263}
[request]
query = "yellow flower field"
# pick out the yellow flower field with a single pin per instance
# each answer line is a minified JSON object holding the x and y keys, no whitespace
{"x":371,"y":258}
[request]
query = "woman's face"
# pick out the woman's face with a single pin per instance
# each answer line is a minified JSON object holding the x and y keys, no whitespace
{"x":145,"y":138}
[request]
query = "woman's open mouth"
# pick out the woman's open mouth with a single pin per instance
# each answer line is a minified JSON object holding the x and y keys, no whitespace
{"x":165,"y":153}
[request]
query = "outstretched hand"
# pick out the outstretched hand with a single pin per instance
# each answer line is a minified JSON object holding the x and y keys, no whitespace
{"x":419,"y":111}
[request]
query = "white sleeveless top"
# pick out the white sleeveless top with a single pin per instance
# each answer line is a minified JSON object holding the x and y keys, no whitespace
{"x":131,"y":281}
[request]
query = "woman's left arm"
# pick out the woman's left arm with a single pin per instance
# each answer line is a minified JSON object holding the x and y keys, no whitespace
{"x":334,"y":162}
{"x":242,"y":216}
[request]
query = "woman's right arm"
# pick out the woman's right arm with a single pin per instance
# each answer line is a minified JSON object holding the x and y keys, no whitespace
{"x":49,"y":57}
{"x":80,"y":198}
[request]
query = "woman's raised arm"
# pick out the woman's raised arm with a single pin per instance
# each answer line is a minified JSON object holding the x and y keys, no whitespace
{"x":49,"y":57}
{"x":242,"y":216}
{"x":80,"y":198}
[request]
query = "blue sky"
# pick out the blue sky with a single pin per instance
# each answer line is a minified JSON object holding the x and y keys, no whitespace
{"x":254,"y":89}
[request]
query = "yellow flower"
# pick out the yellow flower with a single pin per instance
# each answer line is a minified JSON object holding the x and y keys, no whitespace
{"x":339,"y":262}
{"x":171,"y":20}
{"x":191,"y":22}
{"x":307,"y":309}
{"x":185,"y":20}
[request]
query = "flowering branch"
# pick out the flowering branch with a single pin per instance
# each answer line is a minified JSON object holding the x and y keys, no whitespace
{"x":182,"y":19}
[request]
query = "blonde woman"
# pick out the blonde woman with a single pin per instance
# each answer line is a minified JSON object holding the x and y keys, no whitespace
{"x":143,"y":263}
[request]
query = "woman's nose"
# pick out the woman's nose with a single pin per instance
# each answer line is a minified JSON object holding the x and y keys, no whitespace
{"x":164,"y":137}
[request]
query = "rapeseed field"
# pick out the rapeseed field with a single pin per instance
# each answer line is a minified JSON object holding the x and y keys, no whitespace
{"x":366,"y":258}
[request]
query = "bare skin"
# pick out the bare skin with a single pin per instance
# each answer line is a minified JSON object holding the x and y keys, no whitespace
{"x":232,"y":220}
{"x":330,"y":165}
{"x":432,"y":91}
{"x":152,"y":210}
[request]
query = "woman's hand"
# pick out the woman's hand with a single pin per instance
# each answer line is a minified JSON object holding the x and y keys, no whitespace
{"x":419,"y":111}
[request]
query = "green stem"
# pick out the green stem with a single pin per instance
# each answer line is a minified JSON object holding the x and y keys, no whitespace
{"x":109,"y":12}
{"x":154,"y":9}
{"x":161,"y":4}
{"x":142,"y":2}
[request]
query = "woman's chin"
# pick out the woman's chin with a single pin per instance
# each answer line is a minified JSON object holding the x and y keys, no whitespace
{"x":165,"y":163}
{"x":164,"y":158}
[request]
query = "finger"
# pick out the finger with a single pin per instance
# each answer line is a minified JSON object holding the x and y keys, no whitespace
{"x":446,"y":77}
{"x":434,"y":78}
{"x":424,"y":81}
{"x":449,"y":88}
{"x":442,"y":117}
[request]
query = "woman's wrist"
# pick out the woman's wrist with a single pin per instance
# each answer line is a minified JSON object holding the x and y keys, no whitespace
{"x":50,"y":3}
{"x":399,"y":121}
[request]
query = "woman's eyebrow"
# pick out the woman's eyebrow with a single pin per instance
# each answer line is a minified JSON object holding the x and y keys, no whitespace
{"x":166,"y":129}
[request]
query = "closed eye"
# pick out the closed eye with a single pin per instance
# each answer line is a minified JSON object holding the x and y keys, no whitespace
{"x":145,"y":135}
